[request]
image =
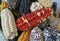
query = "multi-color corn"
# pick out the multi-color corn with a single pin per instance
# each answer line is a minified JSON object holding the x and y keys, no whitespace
{"x":31,"y":20}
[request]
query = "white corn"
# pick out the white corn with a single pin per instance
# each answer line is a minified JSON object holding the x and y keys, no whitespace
{"x":35,"y":6}
{"x":8,"y":24}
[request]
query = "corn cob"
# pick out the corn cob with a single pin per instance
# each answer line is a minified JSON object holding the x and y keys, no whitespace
{"x":24,"y":7}
{"x":58,"y":26}
{"x":4,"y":5}
{"x":58,"y":5}
{"x":54,"y":7}
{"x":36,"y":34}
{"x":35,"y":6}
{"x":31,"y":20}
{"x":8,"y":23}
{"x":53,"y":22}
{"x":24,"y":36}
{"x":46,"y":3}
{"x":49,"y":34}
{"x":57,"y":35}
{"x":0,"y":8}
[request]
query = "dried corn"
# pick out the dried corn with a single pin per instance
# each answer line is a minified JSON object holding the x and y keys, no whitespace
{"x":24,"y":7}
{"x":53,"y":22}
{"x":24,"y":36}
{"x":31,"y":20}
{"x":49,"y":34}
{"x":35,"y":6}
{"x":36,"y":34}
{"x":46,"y":3}
{"x":58,"y":26}
{"x":8,"y":24}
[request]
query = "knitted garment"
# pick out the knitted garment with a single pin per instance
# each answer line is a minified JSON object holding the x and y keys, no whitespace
{"x":31,"y":20}
{"x":36,"y":34}
{"x":46,"y":3}
{"x":12,"y":4}
{"x":53,"y":22}
{"x":2,"y":38}
{"x":8,"y":24}
{"x":49,"y":34}
{"x":24,"y":7}
{"x":35,"y":6}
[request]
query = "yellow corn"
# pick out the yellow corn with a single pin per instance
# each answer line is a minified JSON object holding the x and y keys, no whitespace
{"x":24,"y":36}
